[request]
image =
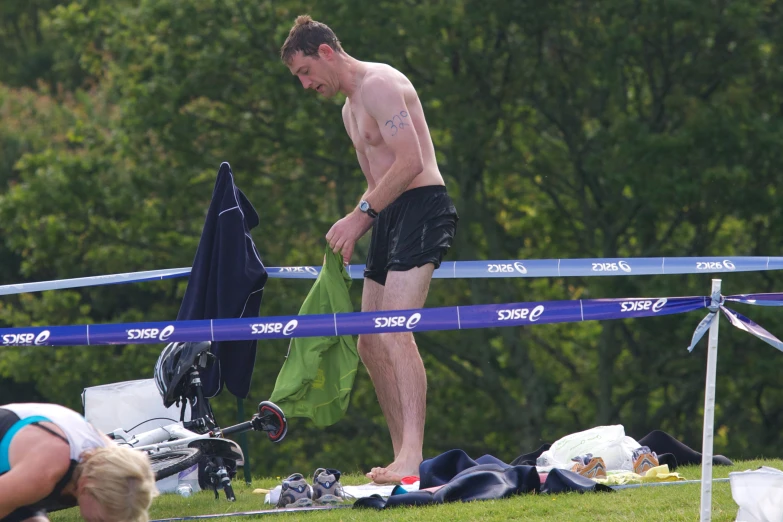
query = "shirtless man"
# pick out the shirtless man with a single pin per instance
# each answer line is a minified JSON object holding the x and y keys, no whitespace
{"x":413,"y":220}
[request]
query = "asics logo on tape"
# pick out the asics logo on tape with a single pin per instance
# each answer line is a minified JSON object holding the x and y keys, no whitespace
{"x":715,"y":265}
{"x":26,"y":339}
{"x":397,"y":321}
{"x":521,"y":314}
{"x":506,"y":268}
{"x":641,"y":305}
{"x":137,"y":334}
{"x":270,"y":328}
{"x":290,"y":326}
{"x":611,"y":267}
{"x":299,"y":269}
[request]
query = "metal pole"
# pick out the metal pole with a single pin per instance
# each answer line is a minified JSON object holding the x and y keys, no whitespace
{"x":709,"y":407}
{"x":243,"y":440}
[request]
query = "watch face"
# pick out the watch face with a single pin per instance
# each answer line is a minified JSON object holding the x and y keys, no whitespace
{"x":363,"y":206}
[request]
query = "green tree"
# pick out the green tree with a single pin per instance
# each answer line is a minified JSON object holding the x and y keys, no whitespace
{"x":574,"y":129}
{"x":30,"y":52}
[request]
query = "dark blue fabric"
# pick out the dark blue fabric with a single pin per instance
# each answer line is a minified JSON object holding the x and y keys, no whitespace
{"x":373,"y":501}
{"x":464,"y":479}
{"x":441,"y":469}
{"x":563,"y":481}
{"x":672,"y":451}
{"x":490,"y":481}
{"x":226,"y":281}
{"x":414,"y":498}
{"x":529,"y":459}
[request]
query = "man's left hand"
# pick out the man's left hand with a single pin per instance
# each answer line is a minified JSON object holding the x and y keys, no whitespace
{"x":345,"y":233}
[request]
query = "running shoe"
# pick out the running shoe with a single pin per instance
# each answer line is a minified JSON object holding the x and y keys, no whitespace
{"x":295,"y":492}
{"x":589,"y":466}
{"x":326,"y":486}
{"x":644,"y":460}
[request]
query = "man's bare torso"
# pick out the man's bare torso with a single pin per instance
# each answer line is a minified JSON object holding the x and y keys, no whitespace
{"x":375,"y":157}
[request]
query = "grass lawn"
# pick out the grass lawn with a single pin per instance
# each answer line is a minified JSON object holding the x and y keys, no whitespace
{"x":664,"y":503}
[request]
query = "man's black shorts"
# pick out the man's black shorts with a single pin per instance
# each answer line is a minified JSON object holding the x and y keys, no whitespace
{"x":418,"y":228}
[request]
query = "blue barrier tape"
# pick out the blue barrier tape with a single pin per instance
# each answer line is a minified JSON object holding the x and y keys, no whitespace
{"x":464,"y":269}
{"x":747,"y":325}
{"x":757,"y":299}
{"x":716,"y":300}
{"x":739,"y":320}
{"x":417,"y":320}
{"x":80,"y":282}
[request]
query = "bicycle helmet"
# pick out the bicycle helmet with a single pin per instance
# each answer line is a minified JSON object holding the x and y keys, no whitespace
{"x":173,"y":365}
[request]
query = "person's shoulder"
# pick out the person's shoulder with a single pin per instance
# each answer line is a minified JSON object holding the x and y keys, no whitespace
{"x":381,"y":75}
{"x":38,"y":446}
{"x":381,"y":84}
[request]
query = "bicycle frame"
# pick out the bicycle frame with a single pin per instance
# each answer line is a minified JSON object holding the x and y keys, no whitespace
{"x":178,"y":435}
{"x":208,"y":438}
{"x":171,"y":436}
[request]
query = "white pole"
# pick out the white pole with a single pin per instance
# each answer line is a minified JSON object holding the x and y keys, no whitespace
{"x":709,"y":408}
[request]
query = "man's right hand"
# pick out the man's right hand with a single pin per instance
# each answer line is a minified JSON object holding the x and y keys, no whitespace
{"x":343,"y":235}
{"x":347,"y":252}
{"x":346,"y":260}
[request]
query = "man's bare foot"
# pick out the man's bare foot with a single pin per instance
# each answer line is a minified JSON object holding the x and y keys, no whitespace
{"x":393,"y":473}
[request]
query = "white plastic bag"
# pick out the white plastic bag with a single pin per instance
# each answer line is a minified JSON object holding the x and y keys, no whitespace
{"x":759,"y":494}
{"x":608,"y":442}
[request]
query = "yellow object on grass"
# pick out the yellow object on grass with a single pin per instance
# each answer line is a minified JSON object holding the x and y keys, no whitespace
{"x":657,"y":474}
{"x":661,"y":474}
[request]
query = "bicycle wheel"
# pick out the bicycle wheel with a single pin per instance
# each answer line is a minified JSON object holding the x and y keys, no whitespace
{"x":167,"y":463}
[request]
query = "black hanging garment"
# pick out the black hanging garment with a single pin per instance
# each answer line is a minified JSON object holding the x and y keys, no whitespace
{"x":226,"y":281}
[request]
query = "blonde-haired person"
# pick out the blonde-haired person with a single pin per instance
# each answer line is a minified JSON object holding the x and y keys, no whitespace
{"x":51,"y":458}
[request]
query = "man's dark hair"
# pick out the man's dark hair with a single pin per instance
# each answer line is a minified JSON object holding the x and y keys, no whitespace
{"x":306,"y":35}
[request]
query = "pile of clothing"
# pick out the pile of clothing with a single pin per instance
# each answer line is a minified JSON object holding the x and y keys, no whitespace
{"x":588,"y":461}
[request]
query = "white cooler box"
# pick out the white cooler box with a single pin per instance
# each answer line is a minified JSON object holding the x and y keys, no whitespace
{"x":131,"y":404}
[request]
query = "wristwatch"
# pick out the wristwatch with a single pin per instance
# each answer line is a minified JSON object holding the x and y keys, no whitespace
{"x":364,"y":206}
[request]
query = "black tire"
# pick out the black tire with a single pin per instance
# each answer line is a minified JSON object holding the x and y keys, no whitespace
{"x":167,"y":463}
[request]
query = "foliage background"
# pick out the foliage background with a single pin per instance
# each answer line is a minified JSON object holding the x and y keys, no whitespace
{"x":568,"y":129}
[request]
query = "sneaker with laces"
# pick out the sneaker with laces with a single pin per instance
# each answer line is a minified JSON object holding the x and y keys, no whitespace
{"x":326,"y":486}
{"x":589,"y":466}
{"x":295,"y":492}
{"x":644,"y":460}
